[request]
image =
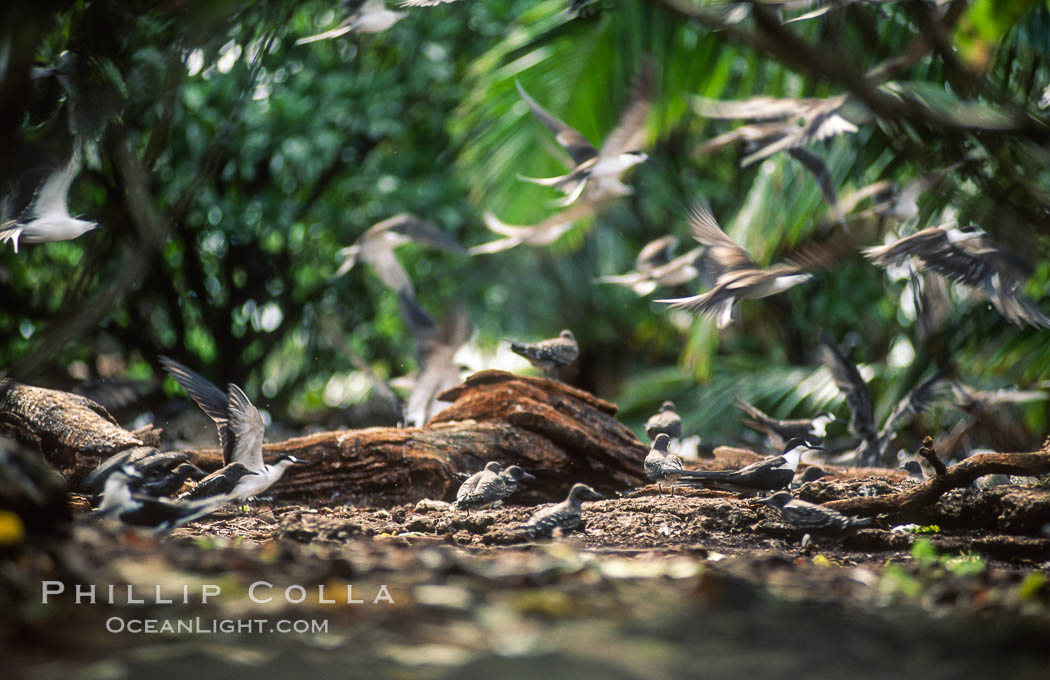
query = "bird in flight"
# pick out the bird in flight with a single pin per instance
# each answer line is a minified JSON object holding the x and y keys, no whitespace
{"x":377,"y":245}
{"x":656,"y":266}
{"x":780,"y":431}
{"x":603,"y":166}
{"x":737,"y":277}
{"x":47,"y":218}
{"x":549,"y":355}
{"x":372,"y":16}
{"x":967,"y":257}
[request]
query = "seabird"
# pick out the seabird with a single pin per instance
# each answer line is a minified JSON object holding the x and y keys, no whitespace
{"x":915,"y":473}
{"x":549,"y":355}
{"x":482,"y":489}
{"x":370,"y":17}
{"x":810,"y":516}
{"x":862,"y":411}
{"x":810,"y":474}
{"x":376,"y":247}
{"x":513,"y":476}
{"x":661,"y":465}
{"x":564,"y":516}
{"x":967,"y":257}
{"x":666,"y":421}
{"x":737,"y":276}
{"x":779,"y":431}
{"x":602,"y":166}
{"x":47,"y":218}
{"x":770,"y":474}
{"x":655,"y":267}
{"x":241,"y":430}
{"x":542,"y":234}
{"x":158,"y":514}
{"x":157,"y":473}
{"x":436,"y":347}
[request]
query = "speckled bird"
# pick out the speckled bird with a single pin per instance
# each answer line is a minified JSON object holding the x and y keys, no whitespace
{"x":549,"y":355}
{"x":810,"y":516}
{"x":564,"y":516}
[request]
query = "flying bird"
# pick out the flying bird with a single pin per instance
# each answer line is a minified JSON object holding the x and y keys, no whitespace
{"x":158,"y":514}
{"x":655,"y":266}
{"x":372,"y":16}
{"x":780,"y":431}
{"x":769,"y":474}
{"x":737,"y":277}
{"x":561,"y":517}
{"x":665,"y":421}
{"x":47,"y":218}
{"x":542,"y":234}
{"x":602,"y":167}
{"x":241,"y":430}
{"x":862,"y":411}
{"x":810,"y":516}
{"x":377,"y":245}
{"x":436,"y":347}
{"x":156,"y":473}
{"x":549,"y":355}
{"x":967,"y":257}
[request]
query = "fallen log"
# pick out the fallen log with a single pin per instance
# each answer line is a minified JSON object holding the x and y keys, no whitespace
{"x":907,"y":505}
{"x":558,"y":433}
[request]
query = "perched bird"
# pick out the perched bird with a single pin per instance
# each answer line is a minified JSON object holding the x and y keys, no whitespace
{"x":372,"y":16}
{"x":737,"y":277}
{"x":436,"y":347}
{"x":157,"y":514}
{"x":549,"y":355}
{"x":564,"y":516}
{"x":376,"y":247}
{"x":862,"y":411}
{"x":810,"y":516}
{"x":966,"y":257}
{"x":47,"y":218}
{"x":661,"y":465}
{"x":655,"y":267}
{"x":666,"y":421}
{"x":241,"y":431}
{"x":915,"y":473}
{"x":779,"y":431}
{"x":542,"y":234}
{"x":602,"y":167}
{"x":513,"y":476}
{"x":770,"y":474}
{"x":482,"y":489}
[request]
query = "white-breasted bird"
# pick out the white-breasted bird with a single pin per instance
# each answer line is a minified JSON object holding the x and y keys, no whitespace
{"x":780,"y":431}
{"x":371,"y":16}
{"x":737,"y":277}
{"x":157,"y":514}
{"x":536,"y":235}
{"x":47,"y":218}
{"x":661,"y":465}
{"x":549,"y":355}
{"x":656,"y":266}
{"x":377,"y":245}
{"x":968,"y":258}
{"x":241,"y":430}
{"x":600,"y":167}
{"x":769,"y":474}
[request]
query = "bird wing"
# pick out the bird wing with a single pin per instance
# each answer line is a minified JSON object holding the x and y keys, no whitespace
{"x":208,"y":397}
{"x":849,"y":381}
{"x":629,"y":133}
{"x":915,"y":402}
{"x":342,"y":29}
{"x":420,"y":231}
{"x":570,"y":139}
{"x":722,"y":251}
{"x":756,"y":108}
{"x":53,"y":195}
{"x":247,"y":429}
{"x":816,"y":166}
{"x":424,"y":3}
{"x":390,"y":271}
{"x":655,"y":253}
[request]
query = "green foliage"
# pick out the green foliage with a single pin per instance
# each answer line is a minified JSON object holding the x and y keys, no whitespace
{"x":264,"y":158}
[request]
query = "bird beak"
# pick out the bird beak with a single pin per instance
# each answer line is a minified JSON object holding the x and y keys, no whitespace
{"x":526,"y":475}
{"x":596,"y":495}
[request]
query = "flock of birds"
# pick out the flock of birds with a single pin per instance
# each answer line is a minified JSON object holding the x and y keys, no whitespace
{"x":135,"y":489}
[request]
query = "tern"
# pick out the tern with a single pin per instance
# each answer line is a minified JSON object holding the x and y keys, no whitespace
{"x":47,"y":217}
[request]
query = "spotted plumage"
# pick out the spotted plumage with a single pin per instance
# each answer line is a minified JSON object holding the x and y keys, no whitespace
{"x":564,"y":516}
{"x":810,"y":516}
{"x":549,"y":355}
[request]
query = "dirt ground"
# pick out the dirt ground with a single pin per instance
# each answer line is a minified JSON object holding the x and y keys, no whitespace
{"x":701,"y":584}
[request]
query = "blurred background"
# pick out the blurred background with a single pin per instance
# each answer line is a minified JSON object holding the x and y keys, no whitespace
{"x":227,"y":166}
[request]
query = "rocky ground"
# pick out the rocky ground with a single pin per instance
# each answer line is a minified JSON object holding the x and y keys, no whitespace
{"x":704,"y":584}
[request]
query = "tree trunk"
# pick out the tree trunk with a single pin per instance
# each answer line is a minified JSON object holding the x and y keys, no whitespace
{"x":558,"y":433}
